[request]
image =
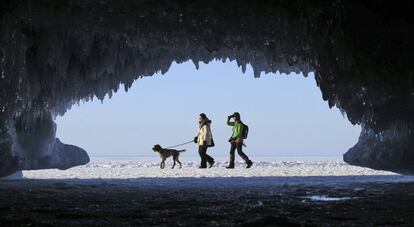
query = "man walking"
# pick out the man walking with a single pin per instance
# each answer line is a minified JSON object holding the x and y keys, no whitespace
{"x":236,"y":140}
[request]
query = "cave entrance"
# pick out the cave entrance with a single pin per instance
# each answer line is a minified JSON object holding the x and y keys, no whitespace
{"x":286,"y":114}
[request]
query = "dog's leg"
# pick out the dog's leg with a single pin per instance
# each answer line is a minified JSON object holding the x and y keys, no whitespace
{"x":179,"y":162}
{"x":173,"y":164}
{"x":162,"y":165}
{"x":175,"y":157}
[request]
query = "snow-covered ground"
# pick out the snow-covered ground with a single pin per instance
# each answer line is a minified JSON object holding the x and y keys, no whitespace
{"x":282,"y":172}
{"x":136,"y":169}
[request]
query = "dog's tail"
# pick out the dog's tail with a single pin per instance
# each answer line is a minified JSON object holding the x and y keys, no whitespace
{"x":181,"y":150}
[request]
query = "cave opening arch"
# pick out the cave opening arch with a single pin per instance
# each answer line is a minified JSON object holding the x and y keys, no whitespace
{"x":360,"y":52}
{"x":286,"y":114}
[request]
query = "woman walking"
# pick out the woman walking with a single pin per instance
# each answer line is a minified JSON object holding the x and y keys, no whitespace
{"x":204,"y":139}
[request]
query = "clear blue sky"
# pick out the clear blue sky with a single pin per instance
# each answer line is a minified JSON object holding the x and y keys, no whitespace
{"x":285,"y":113}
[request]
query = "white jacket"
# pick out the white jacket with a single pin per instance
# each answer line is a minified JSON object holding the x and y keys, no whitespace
{"x":204,"y":134}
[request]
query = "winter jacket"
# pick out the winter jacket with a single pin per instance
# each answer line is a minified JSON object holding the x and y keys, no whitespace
{"x":237,"y":129}
{"x":204,"y":133}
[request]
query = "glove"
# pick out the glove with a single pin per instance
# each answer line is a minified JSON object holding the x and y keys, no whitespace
{"x":231,"y":140}
{"x":195,"y":139}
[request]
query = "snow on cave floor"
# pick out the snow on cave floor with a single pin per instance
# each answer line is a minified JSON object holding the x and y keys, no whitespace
{"x":276,"y":172}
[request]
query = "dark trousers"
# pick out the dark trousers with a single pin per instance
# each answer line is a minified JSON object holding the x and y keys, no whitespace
{"x":239,"y":147}
{"x":202,"y":151}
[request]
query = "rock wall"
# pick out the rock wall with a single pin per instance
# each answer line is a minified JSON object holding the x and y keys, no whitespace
{"x":55,"y":53}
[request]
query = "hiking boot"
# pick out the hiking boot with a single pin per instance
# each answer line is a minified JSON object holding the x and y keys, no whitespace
{"x":249,"y":164}
{"x":202,"y":167}
{"x":211,"y":164}
{"x":231,"y":162}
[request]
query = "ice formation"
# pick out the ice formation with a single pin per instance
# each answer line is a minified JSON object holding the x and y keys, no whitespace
{"x":55,"y":53}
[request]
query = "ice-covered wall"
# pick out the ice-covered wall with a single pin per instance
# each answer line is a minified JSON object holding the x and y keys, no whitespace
{"x":56,"y":53}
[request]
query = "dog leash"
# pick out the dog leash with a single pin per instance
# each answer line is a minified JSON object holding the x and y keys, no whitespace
{"x":180,"y":144}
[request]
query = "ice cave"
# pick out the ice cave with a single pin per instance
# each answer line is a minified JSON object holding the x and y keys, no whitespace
{"x":54,"y":54}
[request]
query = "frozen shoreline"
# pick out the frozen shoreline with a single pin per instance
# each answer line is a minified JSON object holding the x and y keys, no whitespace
{"x":262,"y":173}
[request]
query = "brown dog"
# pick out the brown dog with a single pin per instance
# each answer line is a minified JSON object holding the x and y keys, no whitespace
{"x":165,"y":153}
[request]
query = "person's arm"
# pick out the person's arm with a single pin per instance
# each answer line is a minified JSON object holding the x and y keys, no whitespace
{"x":230,"y":123}
{"x":196,"y":137}
{"x":198,"y":132}
{"x":204,"y":134}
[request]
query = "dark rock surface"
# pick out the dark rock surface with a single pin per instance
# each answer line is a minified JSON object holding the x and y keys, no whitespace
{"x":56,"y":53}
{"x":65,"y":203}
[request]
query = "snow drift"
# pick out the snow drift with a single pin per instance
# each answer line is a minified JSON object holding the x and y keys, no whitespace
{"x":56,"y":53}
